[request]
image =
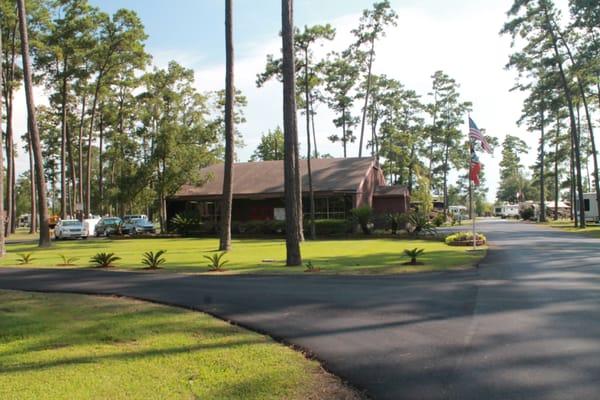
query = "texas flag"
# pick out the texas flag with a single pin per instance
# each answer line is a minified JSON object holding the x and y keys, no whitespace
{"x":474,"y":169}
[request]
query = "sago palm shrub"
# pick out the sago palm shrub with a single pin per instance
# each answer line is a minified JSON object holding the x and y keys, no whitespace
{"x":216,"y":261}
{"x":104,"y":260}
{"x":413,"y":254}
{"x":154,"y":260}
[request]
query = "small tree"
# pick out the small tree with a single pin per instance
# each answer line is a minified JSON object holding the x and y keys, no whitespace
{"x":270,"y":146}
{"x":363,"y":216}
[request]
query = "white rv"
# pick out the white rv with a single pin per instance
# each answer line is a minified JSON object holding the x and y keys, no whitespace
{"x":24,"y":220}
{"x":590,"y":207}
{"x":507,"y":211}
{"x":459,"y":212}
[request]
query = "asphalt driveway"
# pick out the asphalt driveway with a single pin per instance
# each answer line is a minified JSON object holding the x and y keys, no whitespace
{"x":525,"y":325}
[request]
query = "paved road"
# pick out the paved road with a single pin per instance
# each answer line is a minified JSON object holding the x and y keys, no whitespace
{"x":526,"y":325}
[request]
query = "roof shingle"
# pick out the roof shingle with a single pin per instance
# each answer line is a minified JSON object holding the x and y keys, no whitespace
{"x":266,"y":177}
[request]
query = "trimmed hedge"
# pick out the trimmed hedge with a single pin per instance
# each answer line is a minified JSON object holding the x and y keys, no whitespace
{"x":185,"y":225}
{"x":268,"y":227}
{"x":330,"y":227}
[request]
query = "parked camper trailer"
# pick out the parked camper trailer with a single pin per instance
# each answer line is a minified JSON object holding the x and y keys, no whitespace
{"x":507,"y":211}
{"x":24,"y":220}
{"x":458,"y":211}
{"x":590,"y":209}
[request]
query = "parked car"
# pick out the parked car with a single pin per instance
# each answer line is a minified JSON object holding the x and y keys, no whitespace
{"x":136,"y":226}
{"x":129,"y":217}
{"x":69,"y":228}
{"x":108,"y":226}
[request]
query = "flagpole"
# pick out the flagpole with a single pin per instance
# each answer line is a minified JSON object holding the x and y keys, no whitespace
{"x":474,"y":216}
{"x":475,"y":135}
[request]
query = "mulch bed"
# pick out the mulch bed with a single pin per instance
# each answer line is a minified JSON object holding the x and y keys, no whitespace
{"x":467,"y":243}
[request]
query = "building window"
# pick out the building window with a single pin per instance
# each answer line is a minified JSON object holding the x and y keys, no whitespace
{"x":207,"y":211}
{"x":586,"y":204}
{"x":328,"y":208}
{"x":337,"y":208}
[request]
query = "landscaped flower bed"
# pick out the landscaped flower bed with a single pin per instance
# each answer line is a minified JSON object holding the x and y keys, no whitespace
{"x":465,"y":239}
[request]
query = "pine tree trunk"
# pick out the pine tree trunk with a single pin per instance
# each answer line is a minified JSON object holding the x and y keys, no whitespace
{"x":411,"y":169}
{"x":573,"y":188}
{"x":592,"y":142}
{"x":446,"y":156}
{"x":35,"y":137}
{"x":374,"y":140}
{"x":10,"y":152}
{"x":13,"y":192}
{"x":227,"y":199}
{"x":314,"y":131}
{"x":344,"y":130}
{"x":569,"y":98}
{"x":311,"y":193}
{"x":400,"y":178}
{"x":32,"y":189}
{"x":299,"y":187}
{"x":291,"y":175}
{"x":87,"y":207}
{"x":556,"y":189}
{"x":100,"y":164}
{"x":367,"y":93}
{"x":2,"y":219}
{"x":542,"y":179}
{"x":71,"y":172}
{"x":80,"y":166}
{"x":589,"y":123}
{"x":63,"y":145}
{"x":432,"y":141}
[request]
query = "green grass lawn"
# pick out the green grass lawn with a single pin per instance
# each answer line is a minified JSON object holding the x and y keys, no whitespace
{"x":348,"y":256}
{"x":591,"y":230}
{"x":64,"y":346}
{"x":22,"y":235}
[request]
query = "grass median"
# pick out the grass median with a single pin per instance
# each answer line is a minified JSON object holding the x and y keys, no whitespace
{"x":258,"y":256}
{"x":65,"y":346}
{"x":591,"y":230}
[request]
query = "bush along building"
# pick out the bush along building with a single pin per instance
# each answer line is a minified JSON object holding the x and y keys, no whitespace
{"x":339,"y":184}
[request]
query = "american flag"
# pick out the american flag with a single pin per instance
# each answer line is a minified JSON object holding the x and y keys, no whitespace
{"x":475,"y":134}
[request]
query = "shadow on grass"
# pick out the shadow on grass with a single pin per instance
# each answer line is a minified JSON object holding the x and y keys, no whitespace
{"x":47,"y":326}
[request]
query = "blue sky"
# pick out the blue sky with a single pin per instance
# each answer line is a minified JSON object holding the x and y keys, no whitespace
{"x":459,"y":37}
{"x":198,"y":25}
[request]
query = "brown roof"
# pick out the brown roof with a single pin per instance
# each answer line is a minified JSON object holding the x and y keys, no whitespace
{"x":266,"y":177}
{"x":391,"y":191}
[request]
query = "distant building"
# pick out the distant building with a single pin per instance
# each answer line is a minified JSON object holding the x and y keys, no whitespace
{"x":339,"y":184}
